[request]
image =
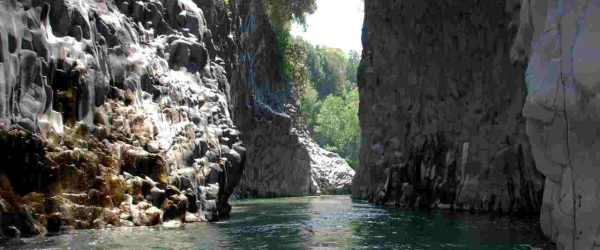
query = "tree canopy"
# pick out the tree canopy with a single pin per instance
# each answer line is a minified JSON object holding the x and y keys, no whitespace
{"x":324,"y":78}
{"x":282,"y":12}
{"x":337,"y":126}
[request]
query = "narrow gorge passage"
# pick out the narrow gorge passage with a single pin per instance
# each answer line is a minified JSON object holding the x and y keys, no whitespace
{"x":395,"y":123}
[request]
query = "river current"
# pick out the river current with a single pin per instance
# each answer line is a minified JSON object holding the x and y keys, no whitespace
{"x":324,"y":222}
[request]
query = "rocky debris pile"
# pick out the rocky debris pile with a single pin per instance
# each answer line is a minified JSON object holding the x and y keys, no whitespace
{"x":113,"y":113}
{"x":440,"y":108}
{"x":330,"y":173}
{"x":293,"y":165}
{"x":560,"y":41}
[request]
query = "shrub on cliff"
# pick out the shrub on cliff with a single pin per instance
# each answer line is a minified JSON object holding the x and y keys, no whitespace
{"x":282,"y":12}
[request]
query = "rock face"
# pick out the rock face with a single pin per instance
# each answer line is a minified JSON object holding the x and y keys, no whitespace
{"x":120,"y":113}
{"x":440,"y":108}
{"x":281,"y":160}
{"x":560,"y":39}
{"x":115,"y":113}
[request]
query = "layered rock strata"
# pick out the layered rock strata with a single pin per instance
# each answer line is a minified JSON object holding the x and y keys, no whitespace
{"x":560,"y":41}
{"x":440,"y":108}
{"x":115,"y":113}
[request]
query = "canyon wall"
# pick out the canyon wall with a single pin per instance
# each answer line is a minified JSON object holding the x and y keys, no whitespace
{"x":560,"y":40}
{"x":440,"y":108}
{"x":123,"y":113}
{"x":462,"y":103}
{"x":115,"y":113}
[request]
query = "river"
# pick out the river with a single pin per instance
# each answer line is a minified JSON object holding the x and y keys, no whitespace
{"x":325,"y":222}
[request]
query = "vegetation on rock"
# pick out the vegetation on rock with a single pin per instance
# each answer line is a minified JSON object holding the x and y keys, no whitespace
{"x":326,"y":81}
{"x":323,"y":77}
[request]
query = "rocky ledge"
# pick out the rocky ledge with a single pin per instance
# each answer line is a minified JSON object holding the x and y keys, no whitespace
{"x":114,"y":113}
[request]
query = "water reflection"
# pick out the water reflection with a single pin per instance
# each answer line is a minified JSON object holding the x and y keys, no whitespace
{"x":328,"y":222}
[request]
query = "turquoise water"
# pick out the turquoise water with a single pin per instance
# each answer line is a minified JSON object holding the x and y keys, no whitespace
{"x":326,"y":222}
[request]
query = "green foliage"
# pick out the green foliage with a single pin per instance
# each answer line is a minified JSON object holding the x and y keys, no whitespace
{"x":227,"y":8}
{"x":324,"y":77}
{"x":352,"y":67}
{"x":337,"y":126}
{"x":291,"y":54}
{"x":326,"y":81}
{"x":309,"y":105}
{"x":331,"y":70}
{"x":282,"y":12}
{"x":294,"y":61}
{"x":329,"y":73}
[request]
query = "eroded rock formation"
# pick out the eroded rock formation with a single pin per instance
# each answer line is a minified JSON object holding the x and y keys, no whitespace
{"x":440,"y":108}
{"x":560,"y":40}
{"x":120,"y":113}
{"x":115,"y":113}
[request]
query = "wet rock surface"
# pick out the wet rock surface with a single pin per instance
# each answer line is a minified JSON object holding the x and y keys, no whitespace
{"x":440,"y":108}
{"x":115,"y":113}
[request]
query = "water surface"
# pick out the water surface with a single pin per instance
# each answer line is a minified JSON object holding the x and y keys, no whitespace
{"x":326,"y":222}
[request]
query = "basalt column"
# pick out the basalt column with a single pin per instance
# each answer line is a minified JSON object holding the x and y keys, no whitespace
{"x":440,"y":107}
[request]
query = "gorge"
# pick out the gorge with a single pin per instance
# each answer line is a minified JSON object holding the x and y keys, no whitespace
{"x":483,"y":106}
{"x":122,"y":113}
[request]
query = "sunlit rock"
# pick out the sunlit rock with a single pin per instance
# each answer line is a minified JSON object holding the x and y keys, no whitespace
{"x":101,"y":105}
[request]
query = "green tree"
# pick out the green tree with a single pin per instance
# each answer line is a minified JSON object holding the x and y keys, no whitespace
{"x":281,"y":13}
{"x":309,"y":105}
{"x":337,"y":126}
{"x":352,"y":67}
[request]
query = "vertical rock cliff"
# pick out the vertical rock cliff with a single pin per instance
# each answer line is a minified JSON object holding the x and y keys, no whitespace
{"x":449,"y":115}
{"x":560,"y":40}
{"x":121,"y":113}
{"x":440,"y":108}
{"x":115,"y":113}
{"x":282,"y":160}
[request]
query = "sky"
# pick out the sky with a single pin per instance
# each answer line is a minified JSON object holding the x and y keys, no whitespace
{"x":335,"y":23}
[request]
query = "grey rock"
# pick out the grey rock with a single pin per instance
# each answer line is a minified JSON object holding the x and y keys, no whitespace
{"x":561,"y":109}
{"x":452,"y":129}
{"x":12,"y":231}
{"x":158,"y":196}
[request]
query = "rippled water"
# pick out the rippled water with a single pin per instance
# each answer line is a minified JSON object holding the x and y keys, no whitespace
{"x":324,"y":222}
